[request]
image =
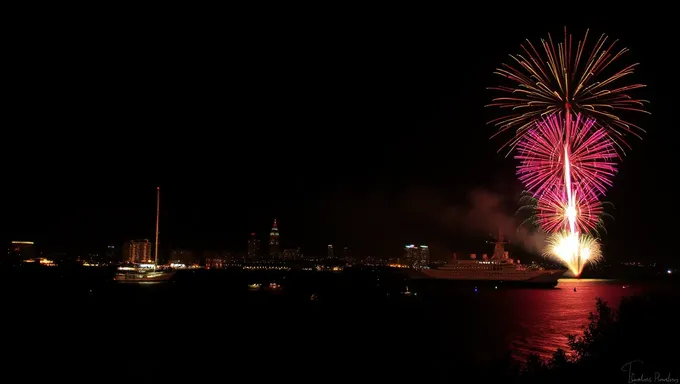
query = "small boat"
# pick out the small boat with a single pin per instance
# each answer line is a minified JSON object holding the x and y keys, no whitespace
{"x":274,"y":286}
{"x":142,"y":275}
{"x":254,"y":287}
{"x":138,"y":273}
{"x":407,"y":292}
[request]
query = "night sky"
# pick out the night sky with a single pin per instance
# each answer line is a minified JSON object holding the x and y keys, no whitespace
{"x":361,"y":131}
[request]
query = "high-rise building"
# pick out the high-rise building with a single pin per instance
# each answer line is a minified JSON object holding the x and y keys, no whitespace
{"x":274,"y":242}
{"x":416,"y":257}
{"x":137,"y":251}
{"x":347,"y":256}
{"x":253,"y":247}
{"x":410,"y":254}
{"x":424,"y":255}
{"x":331,"y":256}
{"x":291,"y":254}
{"x":21,"y":250}
{"x":111,"y":253}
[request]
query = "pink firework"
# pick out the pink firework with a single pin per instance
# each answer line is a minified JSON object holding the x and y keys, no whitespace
{"x":541,"y":154}
{"x":554,"y":213}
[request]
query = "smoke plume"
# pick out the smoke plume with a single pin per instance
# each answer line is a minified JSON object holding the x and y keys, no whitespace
{"x":487,"y":212}
{"x":381,"y":223}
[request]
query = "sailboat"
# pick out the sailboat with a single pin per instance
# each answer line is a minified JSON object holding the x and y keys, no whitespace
{"x":140,"y":274}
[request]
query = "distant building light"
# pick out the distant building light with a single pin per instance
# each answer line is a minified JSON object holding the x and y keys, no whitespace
{"x":23,"y":242}
{"x":669,"y":271}
{"x":423,"y":246}
{"x":410,"y":246}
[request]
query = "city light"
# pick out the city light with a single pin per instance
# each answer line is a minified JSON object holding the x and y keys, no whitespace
{"x":397,"y":266}
{"x":47,"y":262}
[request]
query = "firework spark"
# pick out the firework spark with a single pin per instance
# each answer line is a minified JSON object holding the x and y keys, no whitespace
{"x":549,"y":213}
{"x":542,"y":157}
{"x":554,"y":212}
{"x":567,"y":80}
{"x":574,"y":250}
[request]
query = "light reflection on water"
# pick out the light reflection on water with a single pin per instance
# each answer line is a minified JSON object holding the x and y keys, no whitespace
{"x":543,"y":318}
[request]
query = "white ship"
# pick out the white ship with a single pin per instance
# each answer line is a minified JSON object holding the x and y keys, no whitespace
{"x":499,"y":269}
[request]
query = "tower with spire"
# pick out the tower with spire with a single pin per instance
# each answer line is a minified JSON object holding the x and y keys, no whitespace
{"x":274,"y":242}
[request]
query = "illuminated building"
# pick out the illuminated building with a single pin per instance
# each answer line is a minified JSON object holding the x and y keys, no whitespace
{"x":330,"y":252}
{"x":111,"y":253}
{"x":291,"y":254}
{"x":410,"y":253}
{"x":370,"y":260}
{"x":214,"y":259}
{"x":424,"y":255}
{"x":21,"y":250}
{"x":347,"y":255}
{"x":137,"y":251}
{"x":41,"y":261}
{"x":182,"y":256}
{"x":274,"y":242}
{"x":253,"y":247}
{"x":92,"y":259}
{"x":417,"y":257}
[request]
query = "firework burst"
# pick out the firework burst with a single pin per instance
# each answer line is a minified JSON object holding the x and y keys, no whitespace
{"x":541,"y":154}
{"x":574,"y":250}
{"x":550,"y":213}
{"x":569,"y":79}
{"x":553,"y":211}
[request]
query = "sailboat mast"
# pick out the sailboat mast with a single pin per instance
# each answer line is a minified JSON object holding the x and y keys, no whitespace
{"x":158,"y":212}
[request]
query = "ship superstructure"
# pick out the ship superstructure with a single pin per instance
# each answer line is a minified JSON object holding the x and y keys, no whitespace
{"x":500,"y":267}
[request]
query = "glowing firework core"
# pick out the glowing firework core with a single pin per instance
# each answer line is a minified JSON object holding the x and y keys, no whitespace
{"x":574,"y":250}
{"x":570,"y":213}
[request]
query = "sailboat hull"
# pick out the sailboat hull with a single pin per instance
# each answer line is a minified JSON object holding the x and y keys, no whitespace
{"x":144,"y":277}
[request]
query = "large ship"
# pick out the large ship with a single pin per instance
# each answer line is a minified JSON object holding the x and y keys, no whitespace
{"x":499,"y":269}
{"x":146,"y":273}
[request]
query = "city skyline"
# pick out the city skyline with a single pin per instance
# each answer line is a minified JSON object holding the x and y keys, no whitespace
{"x":373,"y":156}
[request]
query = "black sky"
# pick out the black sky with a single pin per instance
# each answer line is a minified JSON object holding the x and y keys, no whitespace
{"x":337,"y":123}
